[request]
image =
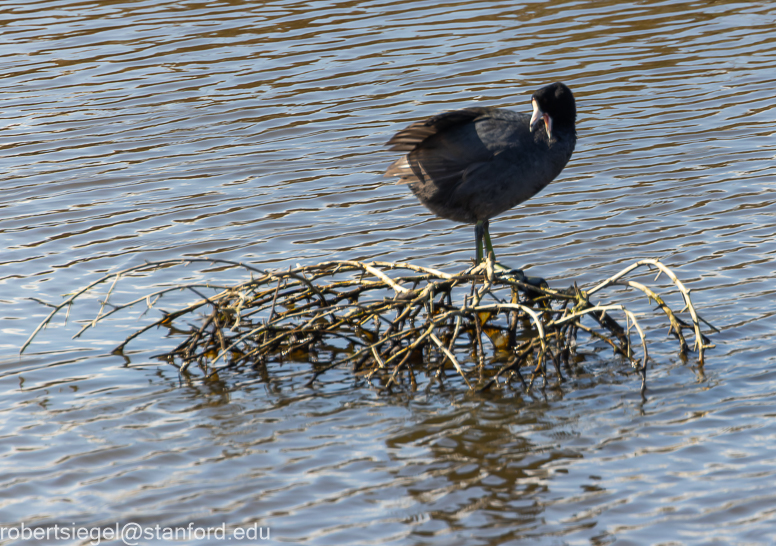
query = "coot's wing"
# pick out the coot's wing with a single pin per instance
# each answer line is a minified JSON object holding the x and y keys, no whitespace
{"x":407,"y":139}
{"x":441,"y":148}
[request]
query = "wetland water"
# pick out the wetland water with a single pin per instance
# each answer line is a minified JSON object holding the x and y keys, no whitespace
{"x":255,"y":131}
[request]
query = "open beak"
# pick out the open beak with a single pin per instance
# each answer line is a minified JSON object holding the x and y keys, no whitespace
{"x":539,"y":115}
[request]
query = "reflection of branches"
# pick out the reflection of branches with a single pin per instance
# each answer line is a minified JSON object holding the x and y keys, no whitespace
{"x":348,"y":312}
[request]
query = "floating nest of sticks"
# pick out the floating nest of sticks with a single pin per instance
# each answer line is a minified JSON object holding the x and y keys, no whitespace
{"x":397,"y":325}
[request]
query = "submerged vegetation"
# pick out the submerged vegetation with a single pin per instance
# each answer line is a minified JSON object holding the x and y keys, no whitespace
{"x":397,"y":325}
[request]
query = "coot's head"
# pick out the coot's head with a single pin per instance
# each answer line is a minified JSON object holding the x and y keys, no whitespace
{"x":554,"y":104}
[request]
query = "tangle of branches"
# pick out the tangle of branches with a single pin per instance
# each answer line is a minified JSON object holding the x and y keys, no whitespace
{"x":394,"y":323}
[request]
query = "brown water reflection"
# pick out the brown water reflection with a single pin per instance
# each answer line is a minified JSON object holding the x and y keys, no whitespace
{"x":254,"y":131}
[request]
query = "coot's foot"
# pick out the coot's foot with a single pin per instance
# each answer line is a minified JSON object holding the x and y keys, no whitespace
{"x":539,"y":282}
{"x":518,"y":275}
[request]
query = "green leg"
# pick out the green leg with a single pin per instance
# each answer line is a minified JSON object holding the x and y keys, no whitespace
{"x":488,"y":244}
{"x":482,"y":231}
{"x":478,"y":229}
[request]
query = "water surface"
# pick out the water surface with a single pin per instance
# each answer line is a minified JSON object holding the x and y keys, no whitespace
{"x":255,"y":131}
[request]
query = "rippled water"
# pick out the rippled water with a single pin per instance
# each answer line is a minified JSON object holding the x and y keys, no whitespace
{"x":255,"y":131}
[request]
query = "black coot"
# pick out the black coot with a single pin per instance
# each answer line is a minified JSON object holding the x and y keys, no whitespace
{"x":472,"y":164}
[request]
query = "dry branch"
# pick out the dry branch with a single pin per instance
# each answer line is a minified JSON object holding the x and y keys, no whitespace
{"x":390,"y":327}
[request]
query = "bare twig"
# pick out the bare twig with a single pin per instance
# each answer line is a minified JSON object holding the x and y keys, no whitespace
{"x":325,"y":313}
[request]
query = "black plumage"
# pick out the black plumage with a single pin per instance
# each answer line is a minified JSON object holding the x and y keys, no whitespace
{"x":472,"y":164}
